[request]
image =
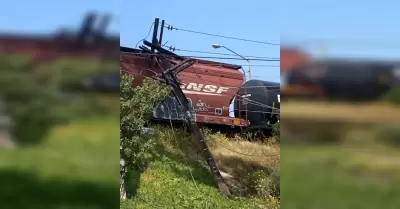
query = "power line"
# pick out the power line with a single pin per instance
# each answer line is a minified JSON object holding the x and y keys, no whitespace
{"x":148,"y":34}
{"x":235,"y":58}
{"x":172,"y":48}
{"x":170,"y":27}
{"x":203,"y":57}
{"x":341,"y":42}
{"x":251,"y":65}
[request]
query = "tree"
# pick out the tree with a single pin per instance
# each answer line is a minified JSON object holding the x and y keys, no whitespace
{"x":136,"y":106}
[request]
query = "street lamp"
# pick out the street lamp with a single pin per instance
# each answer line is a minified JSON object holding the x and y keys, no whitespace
{"x":217,"y":46}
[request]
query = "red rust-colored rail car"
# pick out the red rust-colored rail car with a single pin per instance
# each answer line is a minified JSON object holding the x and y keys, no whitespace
{"x":209,"y":86}
{"x":293,"y":84}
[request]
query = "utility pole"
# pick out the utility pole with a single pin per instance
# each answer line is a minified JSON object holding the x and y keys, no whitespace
{"x":170,"y":78}
{"x":155,"y":32}
{"x":161,"y":32}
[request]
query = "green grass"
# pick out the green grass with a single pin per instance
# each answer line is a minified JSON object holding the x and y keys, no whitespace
{"x":333,"y":177}
{"x":76,"y":167}
{"x":170,"y":182}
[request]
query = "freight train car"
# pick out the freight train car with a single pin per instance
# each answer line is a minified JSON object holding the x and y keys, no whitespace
{"x":344,"y":79}
{"x":259,"y":102}
{"x":211,"y":88}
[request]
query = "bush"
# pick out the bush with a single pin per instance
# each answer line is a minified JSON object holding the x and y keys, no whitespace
{"x":136,"y":106}
{"x":137,"y":147}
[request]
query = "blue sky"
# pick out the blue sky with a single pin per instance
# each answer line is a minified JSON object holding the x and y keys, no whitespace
{"x":353,"y":28}
{"x":252,"y":19}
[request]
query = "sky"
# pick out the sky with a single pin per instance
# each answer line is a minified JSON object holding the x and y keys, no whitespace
{"x":36,"y":16}
{"x":340,"y":28}
{"x":252,"y":19}
{"x":325,"y":28}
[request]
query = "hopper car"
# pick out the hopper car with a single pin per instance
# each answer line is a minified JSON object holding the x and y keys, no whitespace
{"x":218,"y":94}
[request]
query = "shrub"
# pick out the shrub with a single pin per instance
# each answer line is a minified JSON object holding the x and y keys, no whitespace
{"x":136,"y":106}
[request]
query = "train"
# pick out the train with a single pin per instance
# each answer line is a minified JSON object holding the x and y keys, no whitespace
{"x":219,"y":95}
{"x":336,"y":79}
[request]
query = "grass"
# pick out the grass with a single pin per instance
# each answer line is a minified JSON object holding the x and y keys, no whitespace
{"x":76,"y":167}
{"x":337,"y":155}
{"x":332,"y":177}
{"x":177,"y":178}
{"x":239,"y":157}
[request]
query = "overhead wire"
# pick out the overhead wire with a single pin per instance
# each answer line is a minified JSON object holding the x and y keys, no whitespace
{"x":170,"y":27}
{"x":342,"y":42}
{"x":251,"y":65}
{"x":148,"y":34}
{"x":202,"y":57}
{"x":171,"y":48}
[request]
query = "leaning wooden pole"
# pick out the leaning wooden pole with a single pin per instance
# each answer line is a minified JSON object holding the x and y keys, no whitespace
{"x":170,"y":77}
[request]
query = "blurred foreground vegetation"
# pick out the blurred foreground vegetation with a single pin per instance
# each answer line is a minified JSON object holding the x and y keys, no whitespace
{"x":67,"y":142}
{"x":338,"y":164}
{"x":32,"y":95}
{"x":75,"y":166}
